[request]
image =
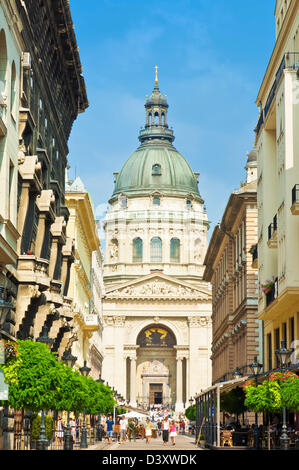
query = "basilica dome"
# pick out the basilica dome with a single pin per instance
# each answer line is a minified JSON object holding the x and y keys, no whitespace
{"x":156,"y":165}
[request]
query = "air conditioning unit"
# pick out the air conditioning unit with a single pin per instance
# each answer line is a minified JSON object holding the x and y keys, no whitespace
{"x":26,"y":60}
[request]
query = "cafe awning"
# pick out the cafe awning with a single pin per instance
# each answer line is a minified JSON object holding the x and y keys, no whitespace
{"x":210,"y":398}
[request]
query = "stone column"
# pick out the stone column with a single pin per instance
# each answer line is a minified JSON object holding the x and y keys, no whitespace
{"x":187,"y":383}
{"x":133,"y":382}
{"x":179,"y":385}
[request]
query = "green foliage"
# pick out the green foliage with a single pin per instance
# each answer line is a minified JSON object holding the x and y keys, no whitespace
{"x":281,"y":389}
{"x":233,"y":401}
{"x":191,"y":413}
{"x":35,"y":427}
{"x":120,"y":411}
{"x":37,"y":380}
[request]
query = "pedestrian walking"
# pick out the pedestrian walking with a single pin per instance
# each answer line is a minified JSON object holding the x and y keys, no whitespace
{"x":109,"y":429}
{"x":173,"y":432}
{"x":73,"y":428}
{"x":165,"y":430}
{"x":59,"y":433}
{"x":148,"y":430}
{"x":159,"y":424}
{"x":123,"y":429}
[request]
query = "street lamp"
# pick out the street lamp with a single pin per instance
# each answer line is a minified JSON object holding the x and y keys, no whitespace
{"x":237,"y":374}
{"x":283,"y":355}
{"x":83,"y":444}
{"x":69,"y":360}
{"x":256,"y":368}
{"x":99,"y":424}
{"x":191,"y":400}
{"x":42,"y":442}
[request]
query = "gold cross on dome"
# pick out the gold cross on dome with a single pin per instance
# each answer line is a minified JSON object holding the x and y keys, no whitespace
{"x":156,"y":74}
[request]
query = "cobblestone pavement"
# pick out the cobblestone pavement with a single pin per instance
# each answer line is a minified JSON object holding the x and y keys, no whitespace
{"x":183,"y":442}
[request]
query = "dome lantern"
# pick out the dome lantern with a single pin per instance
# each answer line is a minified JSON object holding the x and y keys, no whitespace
{"x":156,"y":164}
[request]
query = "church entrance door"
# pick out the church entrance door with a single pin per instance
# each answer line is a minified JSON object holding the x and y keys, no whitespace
{"x":156,"y":394}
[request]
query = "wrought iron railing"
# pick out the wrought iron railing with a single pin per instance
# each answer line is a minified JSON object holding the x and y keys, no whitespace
{"x":295,"y":194}
{"x":290,"y":60}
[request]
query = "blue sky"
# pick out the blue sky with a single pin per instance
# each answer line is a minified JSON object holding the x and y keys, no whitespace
{"x":212,"y":56}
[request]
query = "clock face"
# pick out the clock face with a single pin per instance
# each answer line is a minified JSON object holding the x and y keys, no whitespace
{"x":156,"y":337}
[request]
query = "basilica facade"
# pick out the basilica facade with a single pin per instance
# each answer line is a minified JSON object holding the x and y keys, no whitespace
{"x":157,"y":308}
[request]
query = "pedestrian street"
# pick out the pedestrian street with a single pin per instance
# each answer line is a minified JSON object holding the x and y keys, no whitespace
{"x":183,"y":442}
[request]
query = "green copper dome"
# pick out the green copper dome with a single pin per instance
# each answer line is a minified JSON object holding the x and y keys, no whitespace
{"x":156,"y":165}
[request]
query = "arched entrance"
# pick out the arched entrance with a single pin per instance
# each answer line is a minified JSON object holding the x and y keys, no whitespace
{"x":156,"y":366}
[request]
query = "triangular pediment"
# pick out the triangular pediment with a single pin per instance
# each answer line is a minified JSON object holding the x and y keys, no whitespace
{"x":159,"y":286}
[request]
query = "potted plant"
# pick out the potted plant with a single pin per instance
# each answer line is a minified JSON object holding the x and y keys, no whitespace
{"x":35,"y":429}
{"x":267,"y":286}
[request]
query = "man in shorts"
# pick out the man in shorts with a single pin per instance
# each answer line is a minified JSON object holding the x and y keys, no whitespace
{"x":109,"y":429}
{"x":123,"y":429}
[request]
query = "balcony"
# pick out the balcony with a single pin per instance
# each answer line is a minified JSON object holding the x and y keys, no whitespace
{"x":273,"y":293}
{"x":32,"y":270}
{"x":290,"y":61}
{"x":295,"y":200}
{"x":272,"y":233}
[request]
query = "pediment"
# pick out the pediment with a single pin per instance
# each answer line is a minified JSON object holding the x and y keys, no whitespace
{"x":158,"y":286}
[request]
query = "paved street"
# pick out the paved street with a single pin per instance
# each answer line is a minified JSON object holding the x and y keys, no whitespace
{"x":182,"y":443}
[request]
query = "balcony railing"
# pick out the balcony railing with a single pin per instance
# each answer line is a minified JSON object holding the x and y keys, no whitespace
{"x":273,"y":293}
{"x":290,"y":60}
{"x":295,"y":200}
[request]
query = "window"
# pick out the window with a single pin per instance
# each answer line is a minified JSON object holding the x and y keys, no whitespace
{"x":174,"y":250}
{"x":269,"y":350}
{"x":137,"y":250}
{"x":277,"y":345}
{"x":3,"y":62}
{"x":156,"y":169}
{"x":189,"y":204}
{"x":156,"y":250}
{"x":156,"y":200}
{"x":13,"y":90}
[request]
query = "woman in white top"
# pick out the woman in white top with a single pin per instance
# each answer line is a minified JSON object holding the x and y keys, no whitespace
{"x":148,"y":430}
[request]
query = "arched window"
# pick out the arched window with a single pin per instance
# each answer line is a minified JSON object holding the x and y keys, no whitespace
{"x":150,"y":119}
{"x":13,"y":89}
{"x":163,"y":119}
{"x":137,"y":250}
{"x":156,"y":250}
{"x":156,"y":170}
{"x":3,"y":62}
{"x":175,"y":250}
{"x":189,"y":204}
{"x":156,"y":118}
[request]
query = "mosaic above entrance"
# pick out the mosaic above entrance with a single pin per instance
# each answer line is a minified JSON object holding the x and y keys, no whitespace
{"x":156,"y":337}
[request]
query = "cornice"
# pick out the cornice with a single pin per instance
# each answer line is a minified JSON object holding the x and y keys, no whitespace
{"x":277,"y":52}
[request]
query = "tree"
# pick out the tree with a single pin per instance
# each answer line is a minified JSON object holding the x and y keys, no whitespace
{"x":233,"y":401}
{"x":33,"y":376}
{"x":191,"y":413}
{"x":37,"y":381}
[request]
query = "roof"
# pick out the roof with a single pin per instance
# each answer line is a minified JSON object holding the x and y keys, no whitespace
{"x":174,"y":175}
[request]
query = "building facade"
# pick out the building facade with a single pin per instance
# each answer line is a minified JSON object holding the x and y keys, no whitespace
{"x":85,"y":277}
{"x":237,"y":332}
{"x":42,"y":93}
{"x":156,"y":308}
{"x":277,"y":147}
{"x":10,"y":85}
